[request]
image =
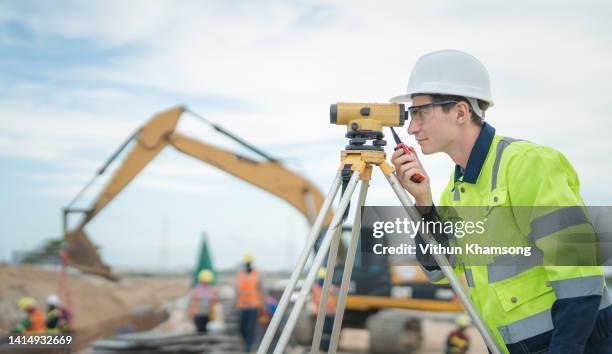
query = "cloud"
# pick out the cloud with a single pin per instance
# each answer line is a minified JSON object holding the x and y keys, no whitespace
{"x":268,"y":70}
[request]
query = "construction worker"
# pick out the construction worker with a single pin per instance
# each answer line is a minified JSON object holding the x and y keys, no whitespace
{"x":202,"y":301}
{"x":535,"y":305}
{"x":34,"y":322}
{"x":249,"y":300}
{"x":458,"y":341}
{"x":330,"y":308}
{"x":58,"y":317}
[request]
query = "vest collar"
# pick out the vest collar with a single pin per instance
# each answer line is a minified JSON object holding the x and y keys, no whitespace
{"x":477,"y":157}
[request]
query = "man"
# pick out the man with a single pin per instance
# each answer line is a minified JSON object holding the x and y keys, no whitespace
{"x":249,"y":300}
{"x":330,"y":308}
{"x":528,"y":308}
{"x":202,"y":300}
{"x":34,"y":322}
{"x":458,"y":341}
{"x":58,"y":317}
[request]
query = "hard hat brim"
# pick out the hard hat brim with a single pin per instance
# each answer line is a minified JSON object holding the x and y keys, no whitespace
{"x":408,"y":98}
{"x":401,"y":99}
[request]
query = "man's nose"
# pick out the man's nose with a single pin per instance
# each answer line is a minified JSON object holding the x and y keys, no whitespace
{"x":413,"y":128}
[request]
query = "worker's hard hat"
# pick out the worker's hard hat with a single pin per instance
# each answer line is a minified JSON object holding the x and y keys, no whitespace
{"x":53,"y":300}
{"x":247,"y":258}
{"x":206,"y":276}
{"x":463,"y":320}
{"x":449,"y":72}
{"x":322,"y":272}
{"x":26,"y":303}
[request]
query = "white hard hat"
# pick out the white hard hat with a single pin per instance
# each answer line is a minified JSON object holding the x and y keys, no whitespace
{"x":449,"y":72}
{"x":53,"y":300}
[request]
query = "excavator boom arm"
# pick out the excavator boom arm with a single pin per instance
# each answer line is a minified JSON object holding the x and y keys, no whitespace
{"x":270,"y":176}
{"x":151,"y":139}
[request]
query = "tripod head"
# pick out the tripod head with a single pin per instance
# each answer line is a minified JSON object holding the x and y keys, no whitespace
{"x":365,"y":121}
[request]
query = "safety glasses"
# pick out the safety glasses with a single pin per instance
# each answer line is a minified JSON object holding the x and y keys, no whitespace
{"x":422,"y":112}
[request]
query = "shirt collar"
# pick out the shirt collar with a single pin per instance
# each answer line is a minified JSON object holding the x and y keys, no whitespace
{"x":477,"y":156}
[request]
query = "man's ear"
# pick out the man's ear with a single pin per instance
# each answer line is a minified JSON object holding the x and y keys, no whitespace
{"x":463,"y":112}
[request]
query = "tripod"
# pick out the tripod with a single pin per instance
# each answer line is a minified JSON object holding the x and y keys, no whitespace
{"x":357,"y":163}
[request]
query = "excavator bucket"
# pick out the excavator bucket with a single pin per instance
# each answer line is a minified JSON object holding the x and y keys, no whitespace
{"x":83,"y":255}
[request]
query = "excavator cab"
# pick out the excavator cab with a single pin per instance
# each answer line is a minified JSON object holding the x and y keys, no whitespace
{"x":387,"y":299}
{"x":380,"y":295}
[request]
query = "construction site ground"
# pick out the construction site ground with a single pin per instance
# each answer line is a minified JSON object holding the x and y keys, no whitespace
{"x":103,"y":309}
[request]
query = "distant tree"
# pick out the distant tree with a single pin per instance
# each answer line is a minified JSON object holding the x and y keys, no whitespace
{"x":47,"y":254}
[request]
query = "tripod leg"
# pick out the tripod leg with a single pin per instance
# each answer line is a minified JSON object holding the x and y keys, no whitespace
{"x":331,"y":265}
{"x":348,"y":269}
{"x":312,"y":237}
{"x":446,"y":267}
{"x":316,"y":264}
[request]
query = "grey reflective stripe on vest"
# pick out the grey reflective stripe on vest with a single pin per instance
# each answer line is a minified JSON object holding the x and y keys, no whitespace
{"x":575,"y":287}
{"x":501,"y":146}
{"x":606,"y":299}
{"x":527,"y":327}
{"x":556,"y":221}
{"x":468,"y":277}
{"x":456,"y":195}
{"x":537,"y":324}
{"x":507,"y":266}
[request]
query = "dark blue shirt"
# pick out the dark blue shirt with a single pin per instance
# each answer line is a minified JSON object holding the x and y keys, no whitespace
{"x":478,"y":155}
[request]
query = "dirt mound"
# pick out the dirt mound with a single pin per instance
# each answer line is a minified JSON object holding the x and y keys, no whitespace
{"x":100,"y":307}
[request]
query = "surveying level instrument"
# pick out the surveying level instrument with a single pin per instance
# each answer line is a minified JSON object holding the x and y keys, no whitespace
{"x":365,"y":123}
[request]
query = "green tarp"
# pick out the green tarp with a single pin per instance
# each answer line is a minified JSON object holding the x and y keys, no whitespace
{"x":204,"y":262}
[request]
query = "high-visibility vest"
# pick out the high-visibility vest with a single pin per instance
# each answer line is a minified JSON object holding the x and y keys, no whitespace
{"x":249,"y":295}
{"x":332,"y":299}
{"x":533,"y":191}
{"x":457,"y":343}
{"x":202,"y":300}
{"x":54,"y":321}
{"x":37,"y":322}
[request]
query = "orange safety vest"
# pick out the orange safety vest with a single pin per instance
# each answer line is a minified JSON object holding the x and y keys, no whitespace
{"x":38,"y":322}
{"x":332,"y":299}
{"x":249,"y":295}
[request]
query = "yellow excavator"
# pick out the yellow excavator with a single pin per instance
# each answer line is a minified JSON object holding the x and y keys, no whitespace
{"x":388,"y":288}
{"x":150,"y":140}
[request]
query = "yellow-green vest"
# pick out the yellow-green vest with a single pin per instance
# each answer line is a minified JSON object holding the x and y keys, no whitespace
{"x":515,"y":299}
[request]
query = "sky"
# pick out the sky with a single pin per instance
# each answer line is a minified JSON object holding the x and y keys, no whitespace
{"x":78,"y":77}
